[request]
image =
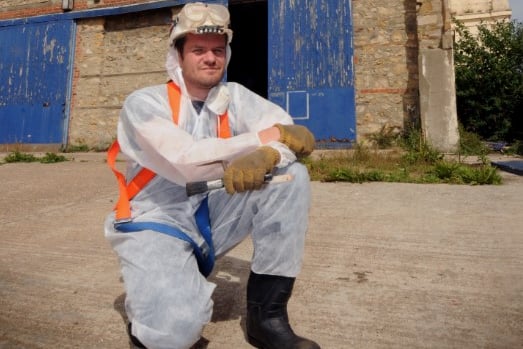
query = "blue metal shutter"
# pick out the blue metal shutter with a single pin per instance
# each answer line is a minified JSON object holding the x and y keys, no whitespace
{"x":35,"y":67}
{"x":311,"y":67}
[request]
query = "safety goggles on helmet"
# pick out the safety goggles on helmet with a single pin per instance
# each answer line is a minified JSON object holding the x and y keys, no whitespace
{"x":201,"y":18}
{"x":199,"y":13}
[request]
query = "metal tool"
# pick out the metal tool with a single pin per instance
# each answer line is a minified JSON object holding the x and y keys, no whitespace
{"x":193,"y":188}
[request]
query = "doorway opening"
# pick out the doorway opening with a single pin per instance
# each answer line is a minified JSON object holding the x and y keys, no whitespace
{"x":249,"y":60}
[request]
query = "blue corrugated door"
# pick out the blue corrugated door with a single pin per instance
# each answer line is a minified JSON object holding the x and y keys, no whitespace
{"x":311,"y":66}
{"x":35,"y":65}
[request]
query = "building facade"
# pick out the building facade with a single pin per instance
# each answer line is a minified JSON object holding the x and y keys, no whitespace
{"x":475,"y":12}
{"x":344,"y":68}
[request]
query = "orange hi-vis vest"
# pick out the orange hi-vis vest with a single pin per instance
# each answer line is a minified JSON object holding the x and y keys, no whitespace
{"x":129,"y":190}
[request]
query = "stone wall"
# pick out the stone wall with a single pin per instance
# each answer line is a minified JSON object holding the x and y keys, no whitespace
{"x":114,"y":56}
{"x":386,"y":64}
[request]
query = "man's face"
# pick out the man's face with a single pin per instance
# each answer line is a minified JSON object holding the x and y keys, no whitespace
{"x":203,"y":61}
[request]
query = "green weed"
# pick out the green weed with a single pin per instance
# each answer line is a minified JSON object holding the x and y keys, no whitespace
{"x":48,"y":158}
{"x":387,"y":137}
{"x":17,"y":156}
{"x":77,"y":148}
{"x":413,"y":162}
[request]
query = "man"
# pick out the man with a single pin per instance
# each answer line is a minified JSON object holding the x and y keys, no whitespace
{"x":198,"y":128}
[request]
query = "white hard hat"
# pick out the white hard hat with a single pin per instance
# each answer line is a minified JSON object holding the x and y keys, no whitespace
{"x":200,"y":18}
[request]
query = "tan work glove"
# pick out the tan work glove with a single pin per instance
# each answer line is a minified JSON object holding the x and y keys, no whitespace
{"x":247,"y":172}
{"x":298,"y":138}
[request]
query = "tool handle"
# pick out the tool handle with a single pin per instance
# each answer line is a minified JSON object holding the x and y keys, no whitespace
{"x":193,"y":188}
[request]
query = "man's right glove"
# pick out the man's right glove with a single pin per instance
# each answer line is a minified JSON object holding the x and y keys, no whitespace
{"x":247,"y":172}
{"x":298,"y":138}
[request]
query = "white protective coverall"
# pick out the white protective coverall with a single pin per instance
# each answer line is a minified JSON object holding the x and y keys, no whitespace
{"x":167,"y":299}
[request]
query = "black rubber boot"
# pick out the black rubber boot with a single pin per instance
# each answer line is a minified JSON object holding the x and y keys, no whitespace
{"x":136,"y":342}
{"x":267,"y":320}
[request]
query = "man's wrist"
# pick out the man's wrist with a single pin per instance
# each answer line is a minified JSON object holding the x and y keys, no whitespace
{"x":268,"y":135}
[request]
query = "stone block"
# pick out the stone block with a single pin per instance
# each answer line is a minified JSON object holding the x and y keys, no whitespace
{"x":438,"y":99}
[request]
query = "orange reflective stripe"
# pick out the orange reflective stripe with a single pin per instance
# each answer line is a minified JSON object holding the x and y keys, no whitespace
{"x":129,"y":191}
{"x":224,"y":131}
{"x":174,"y":93}
{"x":139,"y":182}
{"x":122,"y":207}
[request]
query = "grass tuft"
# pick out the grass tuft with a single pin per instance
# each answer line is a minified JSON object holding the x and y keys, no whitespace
{"x":48,"y":158}
{"x":413,"y":161}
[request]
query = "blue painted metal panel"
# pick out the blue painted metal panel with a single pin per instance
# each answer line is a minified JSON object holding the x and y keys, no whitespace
{"x":311,"y":66}
{"x":512,"y":166}
{"x":35,"y":66}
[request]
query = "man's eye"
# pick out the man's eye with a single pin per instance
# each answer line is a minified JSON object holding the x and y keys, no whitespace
{"x":197,"y":51}
{"x":219,"y":52}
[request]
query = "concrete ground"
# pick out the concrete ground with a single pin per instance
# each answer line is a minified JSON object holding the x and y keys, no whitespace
{"x":386,"y":265}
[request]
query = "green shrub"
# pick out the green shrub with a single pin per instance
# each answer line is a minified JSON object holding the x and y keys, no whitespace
{"x":471,"y":143}
{"x":417,"y":149}
{"x":516,"y":148}
{"x":386,"y":137}
{"x":489,"y":80}
{"x":457,"y":173}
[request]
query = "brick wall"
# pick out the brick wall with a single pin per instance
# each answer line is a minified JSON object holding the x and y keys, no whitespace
{"x":27,"y":8}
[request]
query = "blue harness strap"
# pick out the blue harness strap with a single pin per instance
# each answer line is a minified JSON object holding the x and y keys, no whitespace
{"x":204,"y":255}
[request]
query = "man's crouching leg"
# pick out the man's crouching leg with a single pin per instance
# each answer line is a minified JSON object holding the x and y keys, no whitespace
{"x":277,"y":217}
{"x":167,"y":300}
{"x":278,"y":237}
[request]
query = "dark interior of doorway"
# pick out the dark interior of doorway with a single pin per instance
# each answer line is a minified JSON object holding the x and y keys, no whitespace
{"x":248,"y":64}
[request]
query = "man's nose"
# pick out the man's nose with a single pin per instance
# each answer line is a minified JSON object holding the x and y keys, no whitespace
{"x":210,"y":57}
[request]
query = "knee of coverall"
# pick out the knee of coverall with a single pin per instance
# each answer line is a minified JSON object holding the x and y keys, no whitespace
{"x":280,"y":225}
{"x":181,"y":334}
{"x":168,"y":301}
{"x":179,"y":327}
{"x":285,"y":202}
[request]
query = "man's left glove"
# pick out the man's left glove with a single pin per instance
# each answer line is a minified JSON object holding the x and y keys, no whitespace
{"x":247,"y":172}
{"x":298,"y":138}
